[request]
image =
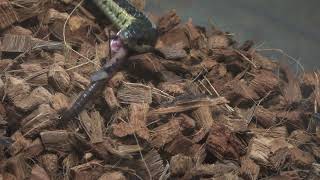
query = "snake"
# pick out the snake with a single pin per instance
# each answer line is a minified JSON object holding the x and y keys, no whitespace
{"x":136,"y":31}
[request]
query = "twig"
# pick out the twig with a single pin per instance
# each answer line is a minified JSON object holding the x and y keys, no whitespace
{"x":285,"y":54}
{"x":317,"y":93}
{"x":161,"y":93}
{"x":245,"y":58}
{"x":142,"y":158}
{"x":257,"y":105}
{"x":216,"y":92}
{"x":65,"y":41}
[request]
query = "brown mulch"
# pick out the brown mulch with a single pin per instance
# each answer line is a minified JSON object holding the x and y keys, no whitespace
{"x":206,"y":107}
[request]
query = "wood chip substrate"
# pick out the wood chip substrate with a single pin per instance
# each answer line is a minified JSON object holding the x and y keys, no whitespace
{"x":203,"y":107}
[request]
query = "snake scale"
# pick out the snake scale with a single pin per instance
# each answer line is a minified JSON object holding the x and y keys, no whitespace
{"x":136,"y":33}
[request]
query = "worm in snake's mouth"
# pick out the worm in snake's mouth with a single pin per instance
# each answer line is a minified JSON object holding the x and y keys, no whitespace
{"x":116,"y":44}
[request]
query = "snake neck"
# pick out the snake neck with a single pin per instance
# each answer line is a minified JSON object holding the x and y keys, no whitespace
{"x":117,"y":12}
{"x":135,"y":28}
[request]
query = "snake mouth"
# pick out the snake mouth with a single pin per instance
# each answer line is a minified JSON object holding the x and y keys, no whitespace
{"x":116,"y":44}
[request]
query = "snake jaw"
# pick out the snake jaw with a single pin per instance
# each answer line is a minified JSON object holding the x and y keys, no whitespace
{"x":116,"y":44}
{"x":136,"y":31}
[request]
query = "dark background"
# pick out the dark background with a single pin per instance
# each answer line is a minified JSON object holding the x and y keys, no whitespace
{"x":290,"y":25}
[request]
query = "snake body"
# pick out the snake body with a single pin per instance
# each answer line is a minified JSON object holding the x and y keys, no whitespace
{"x":135,"y":28}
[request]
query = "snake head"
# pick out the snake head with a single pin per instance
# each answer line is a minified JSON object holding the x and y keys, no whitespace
{"x":139,"y":36}
{"x":116,"y":43}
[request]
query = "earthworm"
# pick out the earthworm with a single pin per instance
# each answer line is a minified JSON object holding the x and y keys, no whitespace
{"x":98,"y":82}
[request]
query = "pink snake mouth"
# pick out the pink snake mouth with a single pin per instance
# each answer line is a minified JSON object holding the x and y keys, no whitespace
{"x":116,"y":44}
